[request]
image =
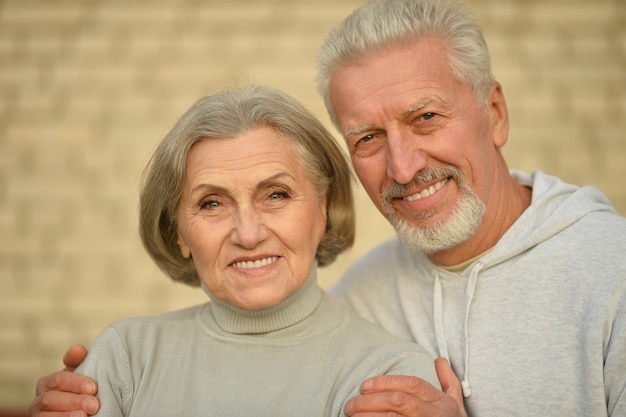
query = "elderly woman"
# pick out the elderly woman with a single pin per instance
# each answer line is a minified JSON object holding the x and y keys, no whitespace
{"x":245,"y":197}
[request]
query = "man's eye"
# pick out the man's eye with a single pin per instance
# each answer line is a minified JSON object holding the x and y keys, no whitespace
{"x":428,"y":116}
{"x":367,"y":138}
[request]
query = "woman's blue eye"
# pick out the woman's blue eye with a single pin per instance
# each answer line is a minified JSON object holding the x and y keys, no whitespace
{"x":210,"y":204}
{"x":278,"y":195}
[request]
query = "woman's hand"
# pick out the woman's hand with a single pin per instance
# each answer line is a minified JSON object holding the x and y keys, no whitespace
{"x":64,"y":393}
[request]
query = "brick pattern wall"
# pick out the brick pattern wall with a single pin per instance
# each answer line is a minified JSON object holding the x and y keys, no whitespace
{"x":87,"y":88}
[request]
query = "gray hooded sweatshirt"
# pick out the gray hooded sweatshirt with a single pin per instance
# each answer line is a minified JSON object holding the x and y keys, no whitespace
{"x":536,"y":326}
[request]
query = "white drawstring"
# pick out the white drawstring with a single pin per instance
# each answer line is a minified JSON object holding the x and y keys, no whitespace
{"x":469,"y":297}
{"x":439,"y":326}
{"x":438,"y":318}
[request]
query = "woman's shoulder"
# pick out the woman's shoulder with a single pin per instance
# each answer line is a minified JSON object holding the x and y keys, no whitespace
{"x":162,"y":323}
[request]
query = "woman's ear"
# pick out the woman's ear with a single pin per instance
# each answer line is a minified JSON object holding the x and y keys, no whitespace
{"x":184,"y":249}
{"x":499,"y":115}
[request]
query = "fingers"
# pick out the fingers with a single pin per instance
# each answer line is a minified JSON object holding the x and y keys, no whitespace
{"x":74,"y":356}
{"x":64,"y":391}
{"x":388,"y":404}
{"x":60,"y":414}
{"x":407,"y":396}
{"x":400,"y":383}
{"x":450,"y":384}
{"x":63,"y":404}
{"x":389,"y":394}
{"x":68,"y":382}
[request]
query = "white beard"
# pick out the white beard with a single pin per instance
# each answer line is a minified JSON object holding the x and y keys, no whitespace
{"x":463,"y":223}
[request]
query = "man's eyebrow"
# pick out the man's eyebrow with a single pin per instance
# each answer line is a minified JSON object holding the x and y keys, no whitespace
{"x":407,"y":112}
{"x":357,"y":130}
{"x":419,"y":105}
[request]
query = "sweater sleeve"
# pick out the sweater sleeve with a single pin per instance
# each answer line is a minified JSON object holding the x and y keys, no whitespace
{"x":108,"y":363}
{"x":394,"y":359}
{"x":416,"y":362}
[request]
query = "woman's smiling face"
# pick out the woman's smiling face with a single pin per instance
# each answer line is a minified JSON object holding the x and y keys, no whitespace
{"x":250,"y":218}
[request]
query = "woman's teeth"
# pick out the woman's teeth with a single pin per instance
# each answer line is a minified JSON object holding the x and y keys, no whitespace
{"x":255,"y":264}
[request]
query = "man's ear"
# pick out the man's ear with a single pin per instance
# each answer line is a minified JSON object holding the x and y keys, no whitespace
{"x":499,"y":115}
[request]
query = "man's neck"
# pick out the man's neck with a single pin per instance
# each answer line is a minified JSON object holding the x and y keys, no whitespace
{"x":495,"y":224}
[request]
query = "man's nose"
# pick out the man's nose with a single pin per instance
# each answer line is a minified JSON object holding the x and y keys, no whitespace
{"x":405,"y":156}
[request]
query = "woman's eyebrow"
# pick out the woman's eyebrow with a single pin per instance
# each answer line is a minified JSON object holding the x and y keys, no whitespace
{"x":221,"y":190}
{"x":208,"y":187}
{"x":274,"y":178}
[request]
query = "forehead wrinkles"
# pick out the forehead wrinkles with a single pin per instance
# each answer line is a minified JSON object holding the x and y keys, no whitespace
{"x":226,"y":157}
{"x":389,"y":77}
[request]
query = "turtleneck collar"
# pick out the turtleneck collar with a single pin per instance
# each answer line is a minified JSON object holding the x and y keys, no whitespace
{"x":288,"y":312}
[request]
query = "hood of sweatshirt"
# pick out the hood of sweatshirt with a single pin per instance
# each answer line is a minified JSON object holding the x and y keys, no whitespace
{"x":555,"y":206}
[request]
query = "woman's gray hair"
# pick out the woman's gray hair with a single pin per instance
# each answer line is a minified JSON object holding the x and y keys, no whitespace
{"x":229,"y":114}
{"x":387,"y":23}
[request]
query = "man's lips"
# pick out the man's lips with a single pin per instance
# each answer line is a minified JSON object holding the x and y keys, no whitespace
{"x":255,"y":264}
{"x":427,"y":192}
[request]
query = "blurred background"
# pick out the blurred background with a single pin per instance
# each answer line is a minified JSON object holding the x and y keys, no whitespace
{"x":89,"y":87}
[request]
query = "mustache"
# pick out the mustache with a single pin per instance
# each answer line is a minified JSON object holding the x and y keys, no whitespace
{"x":423,"y":177}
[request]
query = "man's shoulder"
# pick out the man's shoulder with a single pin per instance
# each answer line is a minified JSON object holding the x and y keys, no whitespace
{"x":599,"y":231}
{"x":378,"y":269}
{"x":391,"y":254}
{"x":371,"y":265}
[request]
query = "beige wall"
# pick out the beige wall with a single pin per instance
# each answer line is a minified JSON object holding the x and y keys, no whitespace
{"x":87,"y":88}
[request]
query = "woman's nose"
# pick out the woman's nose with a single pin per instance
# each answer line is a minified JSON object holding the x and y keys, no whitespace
{"x":249,"y":230}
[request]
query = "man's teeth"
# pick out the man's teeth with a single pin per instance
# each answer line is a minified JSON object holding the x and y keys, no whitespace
{"x":427,"y":192}
{"x":256,"y":264}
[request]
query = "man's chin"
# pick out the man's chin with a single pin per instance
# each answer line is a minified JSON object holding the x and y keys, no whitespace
{"x":421,"y":240}
{"x":438,"y":237}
